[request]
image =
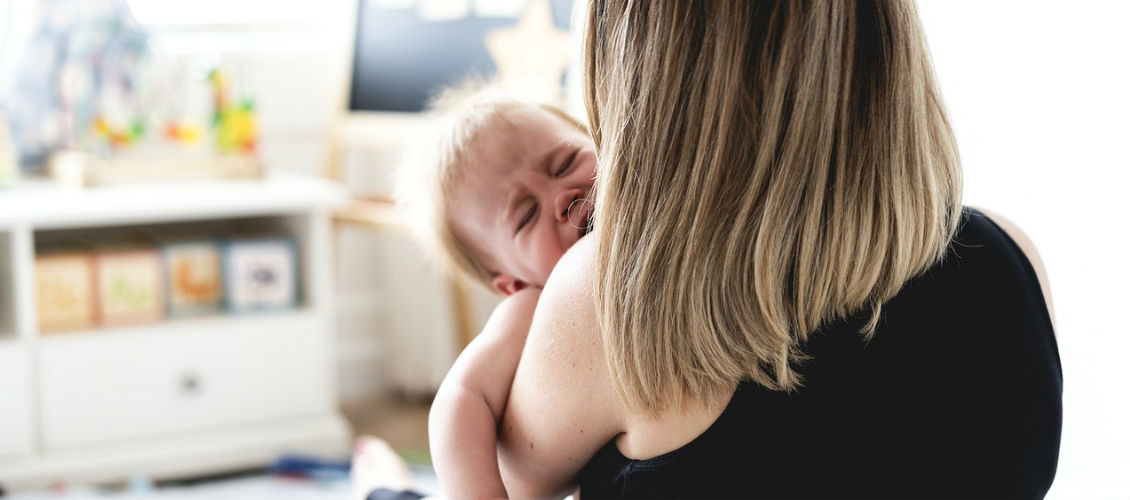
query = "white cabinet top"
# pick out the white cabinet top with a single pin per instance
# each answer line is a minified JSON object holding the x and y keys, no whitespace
{"x":47,"y":204}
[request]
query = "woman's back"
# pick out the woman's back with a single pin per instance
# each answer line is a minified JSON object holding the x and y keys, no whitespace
{"x":766,"y":166}
{"x":958,"y":394}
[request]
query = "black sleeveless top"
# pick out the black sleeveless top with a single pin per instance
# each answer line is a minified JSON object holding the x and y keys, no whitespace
{"x":958,"y":395}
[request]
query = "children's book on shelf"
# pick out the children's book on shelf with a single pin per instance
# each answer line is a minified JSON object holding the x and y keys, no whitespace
{"x":262,"y":273}
{"x":194,"y":276}
{"x":129,"y":285}
{"x":65,"y":290}
{"x":153,"y":275}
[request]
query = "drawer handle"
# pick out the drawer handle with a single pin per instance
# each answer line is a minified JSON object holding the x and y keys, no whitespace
{"x":190,"y":384}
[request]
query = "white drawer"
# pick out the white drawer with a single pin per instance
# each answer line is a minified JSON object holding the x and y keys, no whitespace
{"x":15,"y":401}
{"x":182,"y":375}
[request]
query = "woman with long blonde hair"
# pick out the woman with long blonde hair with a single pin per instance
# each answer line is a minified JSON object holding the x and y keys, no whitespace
{"x":783,"y":295}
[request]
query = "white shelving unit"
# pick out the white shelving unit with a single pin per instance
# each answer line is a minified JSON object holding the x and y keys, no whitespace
{"x":179,"y":397}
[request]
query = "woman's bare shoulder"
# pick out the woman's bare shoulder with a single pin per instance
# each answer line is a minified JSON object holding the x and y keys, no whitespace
{"x":1030,"y":252}
{"x":570,"y":286}
{"x":562,"y":408}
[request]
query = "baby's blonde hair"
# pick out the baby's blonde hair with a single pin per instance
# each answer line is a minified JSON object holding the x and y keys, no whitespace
{"x":433,"y":170}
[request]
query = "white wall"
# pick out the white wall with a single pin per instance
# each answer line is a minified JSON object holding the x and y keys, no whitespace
{"x":1039,"y":95}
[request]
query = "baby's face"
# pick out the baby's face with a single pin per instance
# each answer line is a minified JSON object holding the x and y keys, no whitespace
{"x":524,"y":198}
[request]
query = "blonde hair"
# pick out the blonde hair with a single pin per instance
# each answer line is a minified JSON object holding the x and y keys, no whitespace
{"x":432,"y":172}
{"x":801,"y":152}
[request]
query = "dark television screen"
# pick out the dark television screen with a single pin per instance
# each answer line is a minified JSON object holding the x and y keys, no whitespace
{"x":400,"y":60}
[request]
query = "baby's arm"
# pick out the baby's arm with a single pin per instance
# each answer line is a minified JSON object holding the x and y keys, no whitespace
{"x":463,"y":423}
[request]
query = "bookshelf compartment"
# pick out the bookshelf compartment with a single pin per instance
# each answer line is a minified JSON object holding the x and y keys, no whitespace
{"x":156,"y":262}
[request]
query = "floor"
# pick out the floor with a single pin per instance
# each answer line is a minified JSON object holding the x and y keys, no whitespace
{"x":400,"y":421}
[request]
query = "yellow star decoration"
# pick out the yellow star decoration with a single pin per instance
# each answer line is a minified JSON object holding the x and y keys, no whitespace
{"x":532,"y":55}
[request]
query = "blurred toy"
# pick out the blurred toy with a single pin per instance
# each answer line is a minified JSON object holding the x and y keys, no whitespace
{"x":304,"y":467}
{"x":376,"y":466}
{"x":194,"y":278}
{"x":261,"y":274}
{"x":60,"y":66}
{"x":64,"y":291}
{"x":129,"y":286}
{"x":186,"y":134}
{"x":140,"y":486}
{"x":118,"y":137}
{"x":234,"y":124}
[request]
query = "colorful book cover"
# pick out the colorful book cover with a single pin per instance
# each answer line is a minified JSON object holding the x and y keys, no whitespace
{"x":129,"y":286}
{"x":262,"y":274}
{"x":64,"y":292}
{"x":194,"y":277}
